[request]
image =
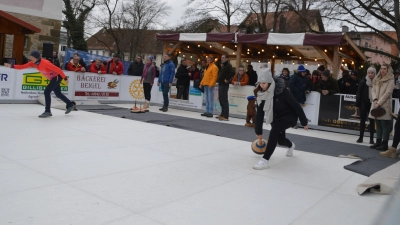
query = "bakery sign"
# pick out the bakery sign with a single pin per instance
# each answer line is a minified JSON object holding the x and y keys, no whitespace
{"x":97,"y":86}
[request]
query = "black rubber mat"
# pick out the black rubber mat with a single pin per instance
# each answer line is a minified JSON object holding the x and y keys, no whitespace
{"x":373,"y":163}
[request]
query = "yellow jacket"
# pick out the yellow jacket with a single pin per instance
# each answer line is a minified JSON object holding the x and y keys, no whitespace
{"x":210,"y":76}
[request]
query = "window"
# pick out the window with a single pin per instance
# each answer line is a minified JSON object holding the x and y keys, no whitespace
{"x":376,"y":48}
{"x":63,"y":48}
{"x":366,"y":44}
{"x":26,"y":42}
{"x":97,"y":52}
{"x":91,"y":52}
{"x":243,"y":31}
{"x":256,"y":30}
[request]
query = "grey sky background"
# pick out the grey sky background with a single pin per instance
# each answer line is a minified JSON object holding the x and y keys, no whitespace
{"x":178,"y":8}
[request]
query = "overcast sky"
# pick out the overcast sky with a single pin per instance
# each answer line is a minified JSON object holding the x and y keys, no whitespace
{"x":178,"y":7}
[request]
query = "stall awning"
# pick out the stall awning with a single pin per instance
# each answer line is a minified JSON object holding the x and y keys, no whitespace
{"x":201,"y":37}
{"x":294,"y":39}
{"x":20,"y":22}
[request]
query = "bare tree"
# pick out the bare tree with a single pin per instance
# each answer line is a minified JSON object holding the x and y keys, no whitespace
{"x":261,"y":8}
{"x":223,"y":10}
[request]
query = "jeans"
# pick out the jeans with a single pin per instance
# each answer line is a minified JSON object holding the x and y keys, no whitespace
{"x":364,"y":111}
{"x":147,"y":91}
{"x":183,"y":90}
{"x":382,"y":129}
{"x":165,"y":92}
{"x":277,"y":135}
{"x":209,"y":95}
{"x":223,"y":100}
{"x":54,"y":85}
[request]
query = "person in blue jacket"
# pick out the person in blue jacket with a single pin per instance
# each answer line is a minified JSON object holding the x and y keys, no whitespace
{"x":165,"y":79}
{"x":298,"y":85}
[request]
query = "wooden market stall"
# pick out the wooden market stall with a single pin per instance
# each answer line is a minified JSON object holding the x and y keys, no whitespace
{"x":334,"y":49}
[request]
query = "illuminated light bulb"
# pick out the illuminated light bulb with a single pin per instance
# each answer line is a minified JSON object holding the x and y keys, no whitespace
{"x":259,"y":60}
{"x":300,"y":57}
{"x":183,"y":55}
{"x":277,"y":47}
{"x":315,"y":59}
{"x":188,"y":46}
{"x":235,"y":46}
{"x":326,"y":50}
{"x":258,"y":52}
{"x":362,"y":66}
{"x":273,"y":56}
{"x":198,"y":46}
{"x":179,"y":52}
{"x":248,"y":50}
{"x":306,"y":63}
{"x":191,"y":57}
{"x":340,"y":48}
{"x":247,"y":60}
{"x":248,"y":53}
{"x":352,"y":62}
{"x":262,"y":50}
{"x":288,"y":53}
{"x":223,"y":46}
{"x":291,"y":50}
{"x":210,"y":46}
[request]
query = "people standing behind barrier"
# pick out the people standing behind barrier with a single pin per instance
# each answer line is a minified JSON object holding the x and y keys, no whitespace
{"x":382,"y":90}
{"x":165,"y":80}
{"x":347,"y":84}
{"x":196,"y":83}
{"x":225,"y":75}
{"x":157,"y":69}
{"x":194,"y":72}
{"x":309,"y":81}
{"x":353,"y":83}
{"x":285,"y":76}
{"x":208,"y":82}
{"x":75,"y":65}
{"x":320,"y":69}
{"x":97,"y":67}
{"x":298,"y":85}
{"x":183,"y":83}
{"x":252,"y":75}
{"x":55,"y":59}
{"x":147,"y":79}
{"x":363,"y":103}
{"x":327,"y":85}
{"x":136,"y":68}
{"x":241,"y":78}
{"x":314,"y":80}
{"x":114,"y":66}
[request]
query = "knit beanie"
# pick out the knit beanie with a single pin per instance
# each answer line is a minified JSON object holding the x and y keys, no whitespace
{"x":35,"y":54}
{"x":326,"y":73}
{"x":301,"y":68}
{"x":265,"y":76}
{"x":321,"y":68}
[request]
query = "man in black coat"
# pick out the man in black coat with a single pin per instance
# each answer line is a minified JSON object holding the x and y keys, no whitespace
{"x":183,"y":83}
{"x":225,"y":75}
{"x":252,"y":75}
{"x":298,"y":85}
{"x":136,"y":68}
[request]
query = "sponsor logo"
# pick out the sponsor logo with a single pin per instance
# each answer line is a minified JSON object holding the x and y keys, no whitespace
{"x":3,"y":77}
{"x":37,"y":82}
{"x":113,"y":85}
{"x":350,"y":98}
{"x":136,"y":89}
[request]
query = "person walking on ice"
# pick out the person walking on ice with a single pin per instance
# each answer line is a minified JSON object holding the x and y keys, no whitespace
{"x":280,"y":109}
{"x":55,"y":76}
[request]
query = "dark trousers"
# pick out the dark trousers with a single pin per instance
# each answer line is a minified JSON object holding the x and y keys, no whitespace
{"x":277,"y":135}
{"x":165,"y":92}
{"x":147,"y":91}
{"x":223,"y":100}
{"x":54,"y":85}
{"x":183,"y":90}
{"x":396,"y":136}
{"x":364,"y":112}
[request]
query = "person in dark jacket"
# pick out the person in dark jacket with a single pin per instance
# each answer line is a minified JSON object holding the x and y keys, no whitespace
{"x":225,"y":75}
{"x":327,"y":85}
{"x":314,"y":80}
{"x":363,"y":103}
{"x":136,"y":68}
{"x":298,"y":85}
{"x":55,"y":59}
{"x":347,"y":85}
{"x":285,"y":76}
{"x":353,"y":83}
{"x":281,"y":110}
{"x":183,"y":83}
{"x":252,"y":75}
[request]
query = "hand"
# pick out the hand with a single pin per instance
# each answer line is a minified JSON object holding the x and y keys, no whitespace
{"x":377,"y":105}
{"x":306,"y":127}
{"x":170,"y":85}
{"x":226,"y":81}
{"x":66,"y":82}
{"x":200,"y":86}
{"x":99,"y":72}
{"x":7,"y":65}
{"x":158,"y":83}
{"x":115,"y":73}
{"x":151,"y":84}
{"x":307,"y":92}
{"x":83,"y":69}
{"x":141,"y":81}
{"x":347,"y":84}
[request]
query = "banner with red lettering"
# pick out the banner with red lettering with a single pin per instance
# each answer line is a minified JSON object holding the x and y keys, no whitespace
{"x":89,"y":86}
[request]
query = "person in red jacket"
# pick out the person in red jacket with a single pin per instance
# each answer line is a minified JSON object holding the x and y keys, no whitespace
{"x":51,"y":72}
{"x":74,"y":65}
{"x":97,"y":67}
{"x":114,"y":66}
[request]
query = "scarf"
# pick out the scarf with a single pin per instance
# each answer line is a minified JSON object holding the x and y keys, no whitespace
{"x":146,"y":68}
{"x":268,"y":96}
{"x":369,"y":84}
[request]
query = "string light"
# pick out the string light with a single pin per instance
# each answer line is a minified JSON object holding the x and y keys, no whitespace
{"x":326,"y":50}
{"x":233,"y":52}
{"x":340,"y":48}
{"x":300,"y":57}
{"x":248,"y":53}
{"x":277,"y":47}
{"x":223,"y":46}
{"x":315,"y":59}
{"x":210,"y":46}
{"x":259,"y":60}
{"x":288,"y":53}
{"x":248,"y":50}
{"x":281,"y":62}
{"x":262,"y":50}
{"x":318,"y":64}
{"x":235,"y":46}
{"x":258,"y":52}
{"x":183,"y":55}
{"x":362,"y":66}
{"x":179,"y":52}
{"x":191,"y":57}
{"x":306,"y":63}
{"x":273,"y":56}
{"x":352,"y":62}
{"x":198,"y":46}
{"x":188,"y":46}
{"x":291,"y":50}
{"x":247,"y":60}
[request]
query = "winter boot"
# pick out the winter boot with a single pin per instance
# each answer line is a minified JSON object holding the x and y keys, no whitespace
{"x":391,"y":153}
{"x":384,"y":146}
{"x":377,"y":144}
{"x":371,"y":140}
{"x":360,"y":140}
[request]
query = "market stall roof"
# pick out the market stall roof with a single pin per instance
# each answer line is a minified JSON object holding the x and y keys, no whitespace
{"x":196,"y":37}
{"x":295,"y":39}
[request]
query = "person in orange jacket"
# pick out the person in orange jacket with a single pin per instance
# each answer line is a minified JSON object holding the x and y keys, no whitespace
{"x":241,"y":78}
{"x":51,"y":72}
{"x":97,"y":67}
{"x":114,"y":66}
{"x":209,"y":82}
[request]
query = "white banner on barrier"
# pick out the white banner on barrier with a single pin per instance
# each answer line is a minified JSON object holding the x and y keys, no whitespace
{"x":311,"y":108}
{"x":237,"y":97}
{"x":30,"y":83}
{"x":89,"y":86}
{"x":132,"y":90}
{"x":7,"y":83}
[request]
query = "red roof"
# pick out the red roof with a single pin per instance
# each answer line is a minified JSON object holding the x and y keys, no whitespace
{"x":19,"y":21}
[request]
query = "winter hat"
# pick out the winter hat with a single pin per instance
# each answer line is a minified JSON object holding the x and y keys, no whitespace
{"x":321,"y":68}
{"x":326,"y":73}
{"x":265,"y":75}
{"x":35,"y":54}
{"x":353,"y":72}
{"x":151,"y":58}
{"x":301,"y":69}
{"x":371,"y":69}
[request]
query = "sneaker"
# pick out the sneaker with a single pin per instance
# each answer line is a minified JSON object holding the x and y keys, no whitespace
{"x":223,"y":119}
{"x":289,"y":152}
{"x":70,"y":108}
{"x":45,"y":114}
{"x":261,"y":165}
{"x":161,"y":109}
{"x":165,"y":109}
{"x":209,"y":115}
{"x":204,"y":114}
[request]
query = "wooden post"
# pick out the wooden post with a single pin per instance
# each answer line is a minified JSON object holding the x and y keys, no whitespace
{"x":273,"y":66}
{"x":18,"y":48}
{"x":336,"y":62}
{"x":165,"y":48}
{"x":238,"y":55}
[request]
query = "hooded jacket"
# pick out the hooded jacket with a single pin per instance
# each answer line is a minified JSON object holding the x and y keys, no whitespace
{"x":298,"y":85}
{"x":285,"y":107}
